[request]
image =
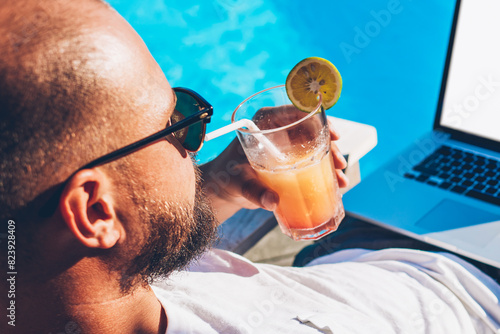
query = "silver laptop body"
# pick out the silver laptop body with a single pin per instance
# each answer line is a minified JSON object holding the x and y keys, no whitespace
{"x":445,"y":188}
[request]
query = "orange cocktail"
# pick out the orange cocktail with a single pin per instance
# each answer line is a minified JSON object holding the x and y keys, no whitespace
{"x":307,"y":194}
{"x":299,"y":167}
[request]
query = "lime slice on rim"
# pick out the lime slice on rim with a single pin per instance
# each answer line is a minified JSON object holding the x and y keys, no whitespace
{"x":310,"y":78}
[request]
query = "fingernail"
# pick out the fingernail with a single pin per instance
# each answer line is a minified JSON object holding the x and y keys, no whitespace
{"x":269,"y":201}
{"x":341,"y":158}
{"x":346,"y":180}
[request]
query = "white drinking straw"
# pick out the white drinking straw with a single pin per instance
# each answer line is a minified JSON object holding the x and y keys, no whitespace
{"x":246,"y":123}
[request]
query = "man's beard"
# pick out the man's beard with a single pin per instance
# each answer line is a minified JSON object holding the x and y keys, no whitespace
{"x":177,"y":235}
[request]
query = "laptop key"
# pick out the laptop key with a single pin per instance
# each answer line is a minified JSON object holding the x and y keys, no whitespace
{"x":468,"y":176}
{"x":444,"y":185}
{"x":484,"y":197}
{"x":446,"y":168}
{"x":490,"y":190}
{"x":478,"y":170}
{"x":425,"y":170}
{"x":480,"y":179}
{"x":409,"y":176}
{"x":466,"y":167}
{"x":444,"y":176}
{"x":492,"y":182}
{"x":467,"y":183}
{"x":422,"y":177}
{"x":444,"y":150}
{"x":479,"y":186}
{"x":480,"y":163}
{"x":458,"y":189}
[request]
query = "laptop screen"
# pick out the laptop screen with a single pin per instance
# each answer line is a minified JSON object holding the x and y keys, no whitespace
{"x":471,"y":102}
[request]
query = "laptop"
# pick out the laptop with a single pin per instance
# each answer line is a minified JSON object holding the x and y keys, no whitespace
{"x":445,"y":188}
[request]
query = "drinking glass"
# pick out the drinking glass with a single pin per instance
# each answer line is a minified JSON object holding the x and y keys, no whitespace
{"x":291,"y":154}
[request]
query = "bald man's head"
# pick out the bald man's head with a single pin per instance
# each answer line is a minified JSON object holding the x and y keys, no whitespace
{"x":68,"y":77}
{"x":77,"y":82}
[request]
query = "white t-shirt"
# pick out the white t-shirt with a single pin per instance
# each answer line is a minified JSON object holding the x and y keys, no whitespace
{"x":348,"y":292}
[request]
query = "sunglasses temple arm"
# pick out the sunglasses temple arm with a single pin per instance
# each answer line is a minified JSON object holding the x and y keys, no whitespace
{"x":246,"y":123}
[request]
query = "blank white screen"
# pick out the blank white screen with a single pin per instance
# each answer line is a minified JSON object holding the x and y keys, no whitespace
{"x":472,"y":100}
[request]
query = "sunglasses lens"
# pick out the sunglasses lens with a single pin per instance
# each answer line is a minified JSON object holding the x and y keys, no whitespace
{"x":190,"y":137}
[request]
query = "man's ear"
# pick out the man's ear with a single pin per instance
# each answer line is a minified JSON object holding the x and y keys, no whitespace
{"x":87,"y":206}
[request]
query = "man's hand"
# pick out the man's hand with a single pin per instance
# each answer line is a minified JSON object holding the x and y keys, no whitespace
{"x":232,"y":184}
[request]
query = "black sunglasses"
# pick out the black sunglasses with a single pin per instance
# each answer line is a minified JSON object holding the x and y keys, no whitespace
{"x":187,"y":124}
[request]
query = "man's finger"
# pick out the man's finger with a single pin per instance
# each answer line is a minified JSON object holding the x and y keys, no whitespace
{"x":338,"y":159}
{"x":254,"y":191}
{"x":342,"y":178}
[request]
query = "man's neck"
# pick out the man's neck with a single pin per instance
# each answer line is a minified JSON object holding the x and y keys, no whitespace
{"x":139,"y":312}
{"x":45,"y":310}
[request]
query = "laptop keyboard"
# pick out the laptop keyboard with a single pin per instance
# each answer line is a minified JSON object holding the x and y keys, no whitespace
{"x":462,"y":172}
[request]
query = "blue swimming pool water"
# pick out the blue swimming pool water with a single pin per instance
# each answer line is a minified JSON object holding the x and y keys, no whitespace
{"x":390,"y":54}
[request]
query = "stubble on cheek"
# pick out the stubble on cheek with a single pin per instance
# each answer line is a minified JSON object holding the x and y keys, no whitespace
{"x":163,"y":236}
